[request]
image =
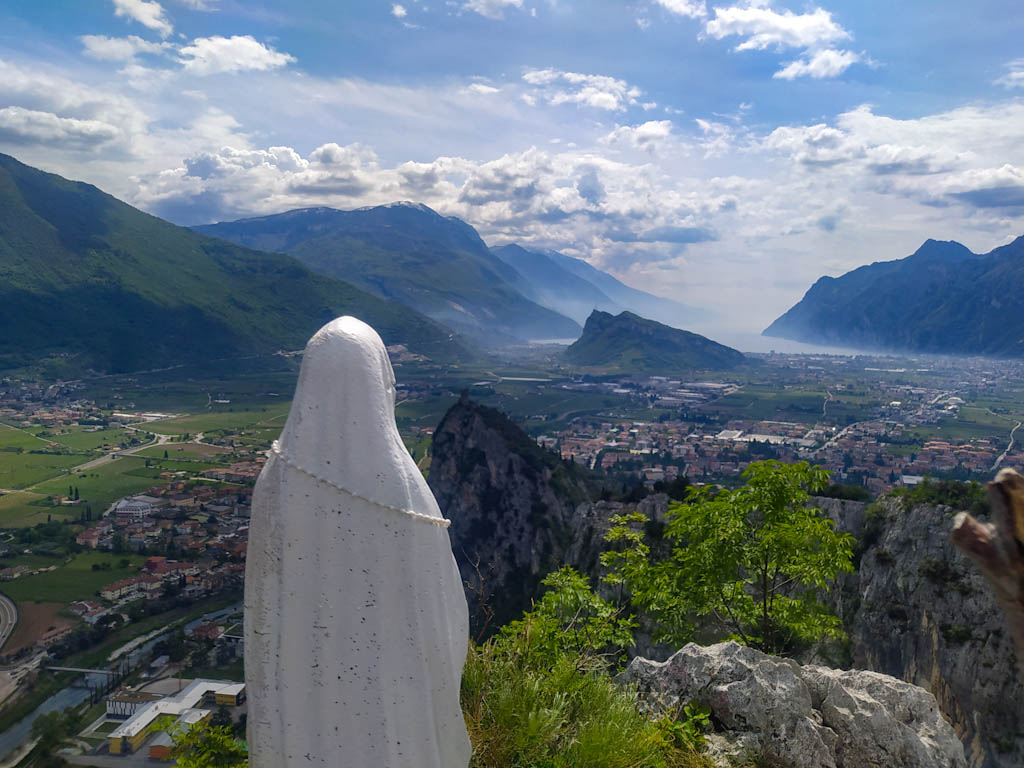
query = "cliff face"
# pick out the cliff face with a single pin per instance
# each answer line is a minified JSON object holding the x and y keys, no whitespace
{"x":518,"y":511}
{"x":918,"y":610}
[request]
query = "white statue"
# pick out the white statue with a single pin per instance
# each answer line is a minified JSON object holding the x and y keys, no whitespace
{"x":356,"y":627}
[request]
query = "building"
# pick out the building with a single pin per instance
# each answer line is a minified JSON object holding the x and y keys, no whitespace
{"x":186,"y":707}
{"x":127,"y":703}
{"x":161,"y":746}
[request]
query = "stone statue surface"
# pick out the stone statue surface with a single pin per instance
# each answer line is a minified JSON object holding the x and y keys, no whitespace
{"x":356,"y":627}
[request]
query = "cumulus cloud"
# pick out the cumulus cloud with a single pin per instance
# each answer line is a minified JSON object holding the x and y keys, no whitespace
{"x":647,"y":136}
{"x":213,"y":55}
{"x":123,"y":49}
{"x":826,"y":63}
{"x":694,"y":9}
{"x":1014,"y":77}
{"x":598,"y":91}
{"x":29,"y":126}
{"x":764,"y":27}
{"x":492,"y":9}
{"x":399,"y":11}
{"x":148,"y":13}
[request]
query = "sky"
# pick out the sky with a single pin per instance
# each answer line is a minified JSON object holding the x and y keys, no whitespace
{"x":722,"y":154}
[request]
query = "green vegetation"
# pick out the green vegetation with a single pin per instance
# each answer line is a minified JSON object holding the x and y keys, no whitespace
{"x":148,"y":294}
{"x":23,"y":470}
{"x":202,"y":746}
{"x":847,"y":492}
{"x":74,"y":580}
{"x":539,"y":693}
{"x":754,"y":559}
{"x":630,"y":343}
{"x":224,"y":417}
{"x":412,"y":255}
{"x":968,"y":497}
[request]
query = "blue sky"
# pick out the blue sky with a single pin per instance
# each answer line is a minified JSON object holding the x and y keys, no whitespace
{"x":726,"y":154}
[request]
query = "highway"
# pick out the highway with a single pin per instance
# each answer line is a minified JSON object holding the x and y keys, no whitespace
{"x":8,"y":618}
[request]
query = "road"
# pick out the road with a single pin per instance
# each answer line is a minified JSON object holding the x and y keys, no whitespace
{"x":8,"y":618}
{"x":106,"y":459}
{"x":1009,"y":448}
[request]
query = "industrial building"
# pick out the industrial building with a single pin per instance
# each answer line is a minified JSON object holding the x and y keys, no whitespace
{"x":188,"y":707}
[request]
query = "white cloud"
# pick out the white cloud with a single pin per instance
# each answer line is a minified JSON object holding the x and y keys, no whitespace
{"x":28,"y":126}
{"x":398,"y":11}
{"x":1014,"y":77}
{"x":199,"y":5}
{"x":648,"y":136}
{"x":764,"y":27}
{"x":492,"y":9}
{"x":212,"y":55}
{"x":597,"y":91}
{"x":694,"y":9}
{"x":482,"y":89}
{"x":119,"y":48}
{"x":820,"y":64}
{"x":149,"y":13}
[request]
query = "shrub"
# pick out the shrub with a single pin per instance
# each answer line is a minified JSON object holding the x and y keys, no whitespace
{"x":539,"y":694}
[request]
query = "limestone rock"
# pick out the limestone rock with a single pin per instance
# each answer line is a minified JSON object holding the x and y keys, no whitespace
{"x":918,"y":610}
{"x":802,"y":717}
{"x":518,"y":511}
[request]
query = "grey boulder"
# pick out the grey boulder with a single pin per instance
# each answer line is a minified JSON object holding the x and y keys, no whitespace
{"x":801,"y":716}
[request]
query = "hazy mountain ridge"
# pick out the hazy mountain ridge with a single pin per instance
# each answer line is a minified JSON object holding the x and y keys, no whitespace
{"x":943,"y":298}
{"x":621,"y":296}
{"x":630,"y":343}
{"x":407,"y":252}
{"x":554,"y":286}
{"x":88,"y":277}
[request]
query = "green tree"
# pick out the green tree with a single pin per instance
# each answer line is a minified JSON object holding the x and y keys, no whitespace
{"x":205,"y":747}
{"x":221,"y":718}
{"x":754,"y":558}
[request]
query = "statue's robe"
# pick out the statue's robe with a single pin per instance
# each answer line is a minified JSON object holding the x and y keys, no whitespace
{"x":356,"y":626}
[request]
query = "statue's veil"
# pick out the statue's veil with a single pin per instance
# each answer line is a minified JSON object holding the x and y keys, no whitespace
{"x":341,"y":427}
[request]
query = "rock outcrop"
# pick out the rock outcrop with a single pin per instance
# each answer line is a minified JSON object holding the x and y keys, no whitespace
{"x":801,"y":717}
{"x":518,"y":510}
{"x":918,"y":610}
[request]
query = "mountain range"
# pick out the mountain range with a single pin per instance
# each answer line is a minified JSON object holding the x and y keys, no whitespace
{"x":629,"y":343}
{"x":91,"y":281}
{"x":942,"y":299}
{"x":408,"y":253}
{"x":575,"y":288}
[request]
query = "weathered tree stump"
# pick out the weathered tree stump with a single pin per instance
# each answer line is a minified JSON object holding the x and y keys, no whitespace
{"x":997,"y":548}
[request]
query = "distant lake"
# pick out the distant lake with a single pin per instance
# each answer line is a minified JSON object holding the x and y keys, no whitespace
{"x":755,"y":342}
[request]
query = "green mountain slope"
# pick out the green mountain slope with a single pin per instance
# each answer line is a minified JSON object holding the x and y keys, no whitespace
{"x":86,"y":276}
{"x":942,"y":299}
{"x":630,"y":343}
{"x":437,"y":265}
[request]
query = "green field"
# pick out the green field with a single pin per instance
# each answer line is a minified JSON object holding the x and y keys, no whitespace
{"x":74,"y":581}
{"x":226,"y":417}
{"x":196,"y":451}
{"x":78,"y":439}
{"x":767,"y":402}
{"x":14,"y":437}
{"x":21,"y":470}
